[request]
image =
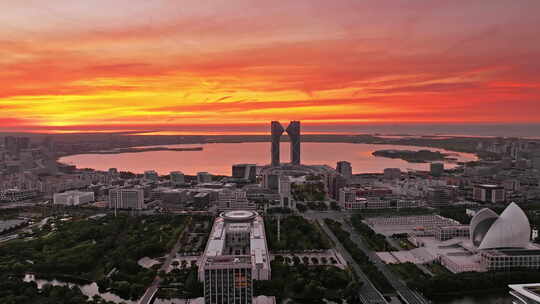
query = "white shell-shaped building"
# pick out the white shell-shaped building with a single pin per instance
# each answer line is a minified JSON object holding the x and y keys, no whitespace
{"x":509,"y":230}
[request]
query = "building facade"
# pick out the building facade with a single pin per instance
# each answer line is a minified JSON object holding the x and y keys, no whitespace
{"x":73,"y":198}
{"x":126,"y":199}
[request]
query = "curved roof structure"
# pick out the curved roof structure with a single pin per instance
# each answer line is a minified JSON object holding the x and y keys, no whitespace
{"x":480,"y":225}
{"x":509,"y":230}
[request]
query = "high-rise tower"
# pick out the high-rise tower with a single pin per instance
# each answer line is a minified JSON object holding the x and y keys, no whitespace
{"x":294,"y":136}
{"x":276,"y":130}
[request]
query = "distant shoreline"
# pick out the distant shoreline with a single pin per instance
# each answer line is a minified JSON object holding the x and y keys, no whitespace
{"x":141,"y":150}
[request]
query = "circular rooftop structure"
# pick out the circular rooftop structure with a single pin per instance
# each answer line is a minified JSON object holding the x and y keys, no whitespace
{"x":238,"y":215}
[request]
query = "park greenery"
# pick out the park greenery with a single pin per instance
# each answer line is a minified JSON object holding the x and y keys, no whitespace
{"x":105,"y":251}
{"x":375,"y":241}
{"x":376,"y":277}
{"x":13,"y":290}
{"x":309,"y":191}
{"x":296,"y":234}
{"x":308,"y":284}
{"x":181,"y":283}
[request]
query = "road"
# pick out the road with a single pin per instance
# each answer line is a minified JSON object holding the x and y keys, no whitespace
{"x":368,"y":293}
{"x":408,"y":295}
{"x":151,"y":291}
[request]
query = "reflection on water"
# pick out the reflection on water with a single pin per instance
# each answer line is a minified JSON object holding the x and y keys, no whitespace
{"x":89,"y":290}
{"x":218,"y":158}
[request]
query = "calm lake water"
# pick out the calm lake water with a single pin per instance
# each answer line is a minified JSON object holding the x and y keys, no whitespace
{"x":218,"y":158}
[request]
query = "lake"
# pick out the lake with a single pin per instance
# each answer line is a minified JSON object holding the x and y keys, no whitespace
{"x":218,"y":158}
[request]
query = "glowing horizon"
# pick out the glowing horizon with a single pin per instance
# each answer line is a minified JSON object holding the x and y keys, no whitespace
{"x":161,"y":65}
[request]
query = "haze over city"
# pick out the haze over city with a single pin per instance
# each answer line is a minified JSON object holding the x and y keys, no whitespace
{"x":269,"y":152}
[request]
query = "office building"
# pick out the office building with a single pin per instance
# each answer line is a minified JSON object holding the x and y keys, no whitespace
{"x":344,"y":168}
{"x":73,"y":198}
{"x":235,"y":255}
{"x":233,"y":200}
{"x":177,"y":178}
{"x":126,"y":198}
{"x":204,"y":177}
{"x":436,"y":169}
{"x":276,"y":130}
{"x":293,"y":130}
{"x":246,"y":172}
{"x":489,"y":193}
{"x":151,"y":175}
{"x":284,"y":191}
{"x":440,"y":196}
{"x":525,"y":293}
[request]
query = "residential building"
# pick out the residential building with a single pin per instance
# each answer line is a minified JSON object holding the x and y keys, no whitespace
{"x":126,"y":198}
{"x":177,"y":178}
{"x":151,"y":175}
{"x":204,"y":177}
{"x":344,"y":168}
{"x":246,"y":172}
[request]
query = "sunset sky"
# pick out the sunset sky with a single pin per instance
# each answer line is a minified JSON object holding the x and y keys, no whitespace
{"x":69,"y":65}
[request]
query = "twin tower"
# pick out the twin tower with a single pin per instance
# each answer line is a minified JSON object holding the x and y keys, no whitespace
{"x":293,"y":130}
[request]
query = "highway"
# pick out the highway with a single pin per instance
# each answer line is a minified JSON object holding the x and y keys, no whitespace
{"x":406,"y":294}
{"x":368,"y":294}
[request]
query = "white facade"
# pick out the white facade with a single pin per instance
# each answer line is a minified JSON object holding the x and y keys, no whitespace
{"x":509,"y":230}
{"x":525,"y":293}
{"x":237,"y":250}
{"x":73,"y":198}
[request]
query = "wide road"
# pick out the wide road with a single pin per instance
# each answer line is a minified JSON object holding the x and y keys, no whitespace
{"x":151,"y":291}
{"x":368,"y":293}
{"x":408,"y":295}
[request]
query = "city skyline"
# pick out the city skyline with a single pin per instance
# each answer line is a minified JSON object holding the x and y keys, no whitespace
{"x":164,"y":65}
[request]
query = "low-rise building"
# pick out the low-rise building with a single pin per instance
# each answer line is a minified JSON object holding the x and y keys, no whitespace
{"x":73,"y":198}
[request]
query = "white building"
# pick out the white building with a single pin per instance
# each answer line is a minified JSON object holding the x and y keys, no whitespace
{"x":126,"y":198}
{"x":73,"y":198}
{"x":235,"y":255}
{"x":525,"y":293}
